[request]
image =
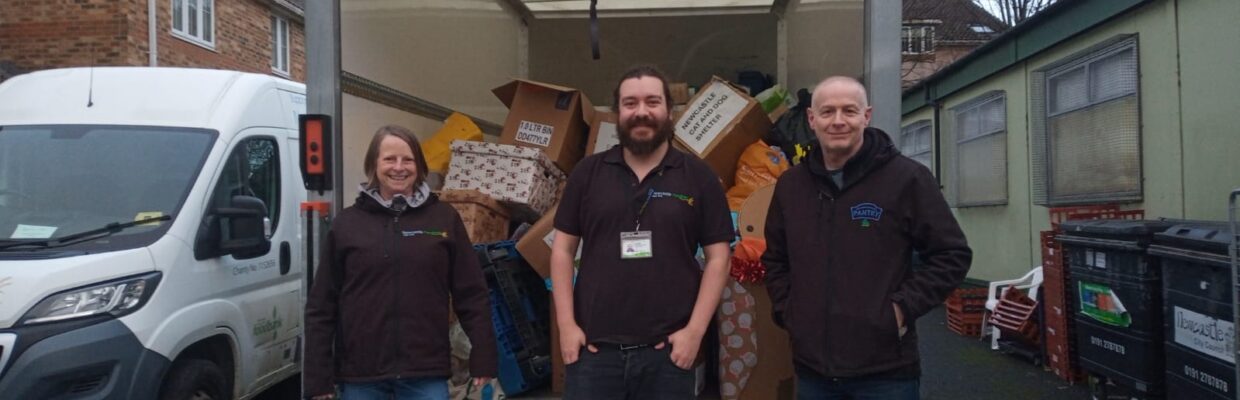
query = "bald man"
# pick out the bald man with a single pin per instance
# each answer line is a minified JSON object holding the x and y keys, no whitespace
{"x":840,"y":233}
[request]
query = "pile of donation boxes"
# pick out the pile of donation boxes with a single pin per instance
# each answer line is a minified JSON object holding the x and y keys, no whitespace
{"x":507,"y":192}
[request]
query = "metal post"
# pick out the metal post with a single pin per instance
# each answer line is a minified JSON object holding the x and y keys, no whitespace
{"x":882,"y":62}
{"x":1234,"y":251}
{"x":323,"y":84}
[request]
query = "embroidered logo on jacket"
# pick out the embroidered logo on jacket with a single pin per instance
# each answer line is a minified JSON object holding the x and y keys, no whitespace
{"x":866,"y":213}
{"x":441,"y":234}
{"x":658,"y":195}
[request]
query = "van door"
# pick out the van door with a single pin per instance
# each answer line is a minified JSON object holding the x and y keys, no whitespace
{"x":266,"y":288}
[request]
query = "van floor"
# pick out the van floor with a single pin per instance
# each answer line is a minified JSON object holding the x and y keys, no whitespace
{"x":953,"y":367}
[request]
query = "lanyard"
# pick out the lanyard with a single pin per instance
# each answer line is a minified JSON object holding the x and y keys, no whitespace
{"x":650,"y":180}
{"x":641,"y":211}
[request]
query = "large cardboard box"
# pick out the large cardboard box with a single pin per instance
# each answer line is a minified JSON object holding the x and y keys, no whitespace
{"x":485,"y":219}
{"x":603,"y":133}
{"x":719,"y":123}
{"x":771,"y":376}
{"x":521,"y":178}
{"x":548,"y":117}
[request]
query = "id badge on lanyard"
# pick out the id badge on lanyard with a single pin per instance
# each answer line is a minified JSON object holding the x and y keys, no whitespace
{"x":638,"y":244}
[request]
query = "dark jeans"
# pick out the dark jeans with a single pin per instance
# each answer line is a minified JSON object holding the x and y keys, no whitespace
{"x":402,"y":389}
{"x":627,"y":374}
{"x":811,"y":386}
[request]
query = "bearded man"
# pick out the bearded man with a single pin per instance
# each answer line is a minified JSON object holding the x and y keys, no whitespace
{"x":632,"y":325}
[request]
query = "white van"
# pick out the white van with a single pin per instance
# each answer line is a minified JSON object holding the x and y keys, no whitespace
{"x":203,"y":297}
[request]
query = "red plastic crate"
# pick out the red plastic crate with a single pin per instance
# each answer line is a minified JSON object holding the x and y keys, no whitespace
{"x":965,"y":307}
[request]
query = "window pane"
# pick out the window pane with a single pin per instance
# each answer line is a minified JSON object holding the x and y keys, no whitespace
{"x":1068,"y":91}
{"x":924,"y":159}
{"x":923,"y":138}
{"x":1096,"y":150}
{"x":1114,"y":76}
{"x":275,"y":48}
{"x":178,"y":19}
{"x":992,"y":116}
{"x":982,"y":170}
{"x":967,"y":124}
{"x":193,"y":18}
{"x":208,"y":20}
{"x":264,"y":175}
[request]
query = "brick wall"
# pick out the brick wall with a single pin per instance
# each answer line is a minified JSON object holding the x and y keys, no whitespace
{"x":41,"y":34}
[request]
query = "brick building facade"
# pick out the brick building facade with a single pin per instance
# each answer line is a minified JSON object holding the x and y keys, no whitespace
{"x":43,"y":34}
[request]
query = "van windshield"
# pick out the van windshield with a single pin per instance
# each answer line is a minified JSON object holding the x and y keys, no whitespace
{"x":61,"y":180}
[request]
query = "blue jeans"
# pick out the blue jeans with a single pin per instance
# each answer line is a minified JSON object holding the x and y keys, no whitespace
{"x":643,"y":373}
{"x":811,"y":386}
{"x":398,"y":389}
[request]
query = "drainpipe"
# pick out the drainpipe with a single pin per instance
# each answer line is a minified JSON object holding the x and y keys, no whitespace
{"x":151,"y":27}
{"x":938,"y":148}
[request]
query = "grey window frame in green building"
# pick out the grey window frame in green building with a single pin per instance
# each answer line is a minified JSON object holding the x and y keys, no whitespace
{"x":979,"y":127}
{"x":912,"y":144}
{"x":1104,"y":164}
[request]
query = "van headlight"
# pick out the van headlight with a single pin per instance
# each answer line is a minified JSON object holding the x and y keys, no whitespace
{"x":119,"y":297}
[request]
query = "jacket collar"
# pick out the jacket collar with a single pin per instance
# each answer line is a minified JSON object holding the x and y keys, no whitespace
{"x":876,"y":150}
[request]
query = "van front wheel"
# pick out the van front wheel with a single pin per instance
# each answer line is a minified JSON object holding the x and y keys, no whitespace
{"x":194,"y":379}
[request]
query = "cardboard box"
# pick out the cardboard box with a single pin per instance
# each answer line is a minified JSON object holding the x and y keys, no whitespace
{"x":719,"y":123}
{"x":535,"y":246}
{"x":486,"y":220}
{"x":751,"y":218}
{"x":680,"y":92}
{"x":603,"y":133}
{"x":547,"y":117}
{"x":521,"y":178}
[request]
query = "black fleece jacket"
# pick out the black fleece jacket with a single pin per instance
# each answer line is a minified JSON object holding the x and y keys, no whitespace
{"x":837,"y":258}
{"x":379,"y":306}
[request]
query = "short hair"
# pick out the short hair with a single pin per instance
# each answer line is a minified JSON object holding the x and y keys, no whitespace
{"x":865,"y":101}
{"x":372,"y":154}
{"x":641,"y":71}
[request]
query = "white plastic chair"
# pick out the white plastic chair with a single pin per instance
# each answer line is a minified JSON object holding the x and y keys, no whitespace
{"x":1030,"y":283}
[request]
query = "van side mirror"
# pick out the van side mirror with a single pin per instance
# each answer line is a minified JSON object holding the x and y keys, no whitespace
{"x":239,"y":230}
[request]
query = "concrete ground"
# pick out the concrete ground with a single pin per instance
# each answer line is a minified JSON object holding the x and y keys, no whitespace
{"x":953,"y":367}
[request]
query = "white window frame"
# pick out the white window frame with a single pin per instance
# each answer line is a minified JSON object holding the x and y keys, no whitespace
{"x":909,"y":133}
{"x":1042,"y":137}
{"x":183,"y":32}
{"x":974,"y":105}
{"x":280,"y":42}
{"x":910,"y":34}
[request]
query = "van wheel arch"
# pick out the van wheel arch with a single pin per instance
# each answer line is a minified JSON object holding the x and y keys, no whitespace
{"x":207,"y":366}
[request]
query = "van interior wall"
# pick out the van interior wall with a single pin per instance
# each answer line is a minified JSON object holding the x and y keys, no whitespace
{"x":825,"y":37}
{"x":449,"y":53}
{"x":687,"y":48}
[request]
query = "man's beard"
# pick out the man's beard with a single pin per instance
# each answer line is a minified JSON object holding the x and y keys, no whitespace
{"x":662,"y":133}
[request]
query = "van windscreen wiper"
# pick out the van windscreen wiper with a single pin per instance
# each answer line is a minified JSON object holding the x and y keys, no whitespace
{"x":79,"y":237}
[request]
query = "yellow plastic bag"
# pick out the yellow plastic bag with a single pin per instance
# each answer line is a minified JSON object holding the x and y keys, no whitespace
{"x":436,"y":150}
{"x":759,"y":165}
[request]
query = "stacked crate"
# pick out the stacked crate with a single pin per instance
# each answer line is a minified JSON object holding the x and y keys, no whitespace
{"x":965,"y":307}
{"x":1058,"y":299}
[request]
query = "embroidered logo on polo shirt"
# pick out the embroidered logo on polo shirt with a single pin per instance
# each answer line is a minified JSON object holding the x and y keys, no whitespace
{"x":658,"y":195}
{"x":866,"y":213}
{"x":441,"y":234}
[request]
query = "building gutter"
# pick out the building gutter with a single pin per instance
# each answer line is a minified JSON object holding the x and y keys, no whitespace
{"x":152,"y":33}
